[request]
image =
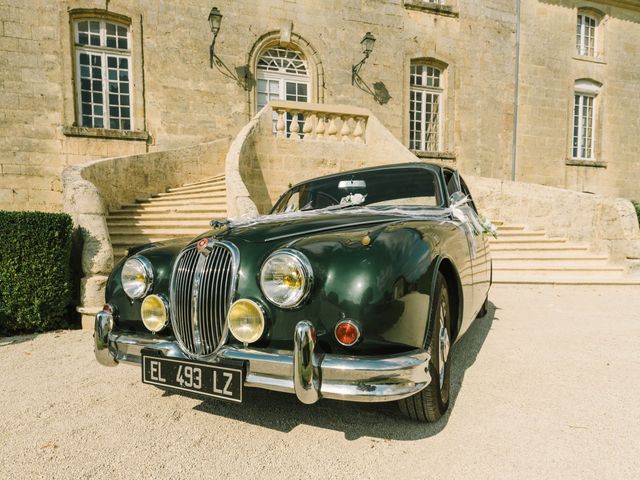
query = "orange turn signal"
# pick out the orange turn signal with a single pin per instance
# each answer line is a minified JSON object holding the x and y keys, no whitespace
{"x":347,"y":332}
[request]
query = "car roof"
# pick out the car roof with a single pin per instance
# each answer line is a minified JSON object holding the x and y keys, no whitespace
{"x":430,"y":166}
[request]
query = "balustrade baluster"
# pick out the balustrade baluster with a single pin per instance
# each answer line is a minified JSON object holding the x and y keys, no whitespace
{"x":345,"y":131}
{"x":320,"y":126}
{"x":280,"y":124}
{"x":333,"y":130}
{"x":295,"y":126}
{"x":358,"y":132}
{"x":309,"y":120}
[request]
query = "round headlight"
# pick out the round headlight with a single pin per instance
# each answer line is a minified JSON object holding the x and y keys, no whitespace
{"x":154,"y":313}
{"x":136,"y":277}
{"x":286,"y":278}
{"x":246,"y":320}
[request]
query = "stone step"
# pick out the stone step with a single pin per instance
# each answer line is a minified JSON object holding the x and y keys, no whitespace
{"x":204,"y":180}
{"x":175,"y":222}
{"x":157,"y":231}
{"x":501,"y":228}
{"x":182,"y":199}
{"x":569,"y":278}
{"x":551,"y":262}
{"x":210,"y":184}
{"x":537,"y":247}
{"x":556,"y":268}
{"x":526,"y":239}
{"x":545,"y":255}
{"x":194,"y":190}
{"x":519,"y":235}
{"x":211,"y":207}
{"x":127,"y":216}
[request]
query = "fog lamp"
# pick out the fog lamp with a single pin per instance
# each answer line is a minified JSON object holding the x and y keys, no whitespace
{"x":347,"y":332}
{"x":246,"y":320}
{"x":154,"y":313}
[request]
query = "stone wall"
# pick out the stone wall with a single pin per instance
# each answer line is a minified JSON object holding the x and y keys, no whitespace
{"x":548,"y":71}
{"x":179,"y":100}
{"x":93,"y":188}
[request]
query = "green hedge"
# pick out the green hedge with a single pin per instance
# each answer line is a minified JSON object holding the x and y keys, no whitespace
{"x":35,"y":273}
{"x":637,"y":205}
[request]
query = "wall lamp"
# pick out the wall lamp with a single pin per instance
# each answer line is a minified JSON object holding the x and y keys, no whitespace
{"x":242,"y":76}
{"x":215,"y":19}
{"x":367,"y":47}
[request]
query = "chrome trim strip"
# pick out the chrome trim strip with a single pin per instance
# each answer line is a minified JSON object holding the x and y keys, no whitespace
{"x":195,"y":293}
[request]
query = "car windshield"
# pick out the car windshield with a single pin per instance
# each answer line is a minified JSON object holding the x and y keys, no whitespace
{"x":401,"y":187}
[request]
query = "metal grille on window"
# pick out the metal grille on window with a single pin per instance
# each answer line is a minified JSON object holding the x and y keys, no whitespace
{"x":282,"y":75}
{"x":104,"y":79}
{"x":586,"y":35}
{"x":425,"y":100}
{"x":583,"y":115}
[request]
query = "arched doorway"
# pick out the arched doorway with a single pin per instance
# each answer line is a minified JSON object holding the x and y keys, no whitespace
{"x":282,"y":74}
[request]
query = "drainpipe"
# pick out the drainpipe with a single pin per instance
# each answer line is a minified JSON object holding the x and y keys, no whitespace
{"x":514,"y":140}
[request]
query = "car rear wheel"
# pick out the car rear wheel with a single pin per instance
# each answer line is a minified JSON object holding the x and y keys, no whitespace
{"x":484,"y":309}
{"x":432,"y":402}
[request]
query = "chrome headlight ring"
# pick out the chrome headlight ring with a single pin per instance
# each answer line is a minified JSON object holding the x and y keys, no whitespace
{"x":275,"y":289}
{"x":135,"y":288}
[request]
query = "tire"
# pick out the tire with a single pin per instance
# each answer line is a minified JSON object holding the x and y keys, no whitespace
{"x":484,"y":308}
{"x":432,"y":402}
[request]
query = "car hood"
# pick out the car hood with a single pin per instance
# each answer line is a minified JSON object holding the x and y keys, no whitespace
{"x":269,"y":228}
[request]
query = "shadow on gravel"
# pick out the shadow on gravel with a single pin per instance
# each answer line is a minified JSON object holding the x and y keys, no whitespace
{"x":283,"y":412}
{"x":6,"y":341}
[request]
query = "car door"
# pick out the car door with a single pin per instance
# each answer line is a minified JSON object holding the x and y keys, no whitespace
{"x":464,"y":210}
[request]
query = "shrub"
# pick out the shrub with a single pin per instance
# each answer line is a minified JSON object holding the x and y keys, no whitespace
{"x":637,"y":205}
{"x":35,"y":274}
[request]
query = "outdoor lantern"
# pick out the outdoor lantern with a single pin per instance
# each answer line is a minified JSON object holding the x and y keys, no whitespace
{"x":367,"y":43}
{"x":367,"y":46}
{"x":215,"y":18}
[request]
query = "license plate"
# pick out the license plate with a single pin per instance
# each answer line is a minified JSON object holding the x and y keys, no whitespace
{"x":195,"y":377}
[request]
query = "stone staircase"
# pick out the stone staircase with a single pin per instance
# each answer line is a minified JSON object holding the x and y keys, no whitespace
{"x":522,"y":256}
{"x":179,"y":212}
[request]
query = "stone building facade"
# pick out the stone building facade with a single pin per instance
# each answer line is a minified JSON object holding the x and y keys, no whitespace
{"x":87,"y":79}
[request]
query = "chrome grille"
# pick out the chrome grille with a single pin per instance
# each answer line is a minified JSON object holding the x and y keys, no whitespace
{"x":201,"y":291}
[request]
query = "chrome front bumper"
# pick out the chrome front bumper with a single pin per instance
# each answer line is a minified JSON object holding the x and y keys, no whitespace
{"x":303,"y":371}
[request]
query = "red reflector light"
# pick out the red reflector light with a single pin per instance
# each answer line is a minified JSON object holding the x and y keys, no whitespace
{"x":347,"y":333}
{"x":107,"y":308}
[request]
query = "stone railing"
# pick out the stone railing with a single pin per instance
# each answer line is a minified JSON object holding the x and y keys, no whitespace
{"x":93,"y":188}
{"x":607,"y":224}
{"x":309,"y":121}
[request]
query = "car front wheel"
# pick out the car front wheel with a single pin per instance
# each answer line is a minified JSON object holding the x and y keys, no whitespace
{"x":432,"y":402}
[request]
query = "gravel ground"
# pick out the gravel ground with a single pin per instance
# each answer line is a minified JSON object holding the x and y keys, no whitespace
{"x":545,"y":386}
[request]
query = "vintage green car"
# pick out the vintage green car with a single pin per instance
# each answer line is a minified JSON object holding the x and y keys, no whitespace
{"x":353,"y":288}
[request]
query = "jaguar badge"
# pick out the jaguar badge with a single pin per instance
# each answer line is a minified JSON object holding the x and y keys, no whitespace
{"x":204,"y":246}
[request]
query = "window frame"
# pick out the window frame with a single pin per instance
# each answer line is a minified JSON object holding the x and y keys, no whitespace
{"x":104,"y":52}
{"x":584,"y":89}
{"x":599,"y":19}
{"x":441,"y":93}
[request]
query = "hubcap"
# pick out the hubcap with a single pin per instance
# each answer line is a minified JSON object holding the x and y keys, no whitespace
{"x":444,"y":343}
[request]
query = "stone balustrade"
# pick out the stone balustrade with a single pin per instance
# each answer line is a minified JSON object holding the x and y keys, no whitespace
{"x":309,"y":121}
